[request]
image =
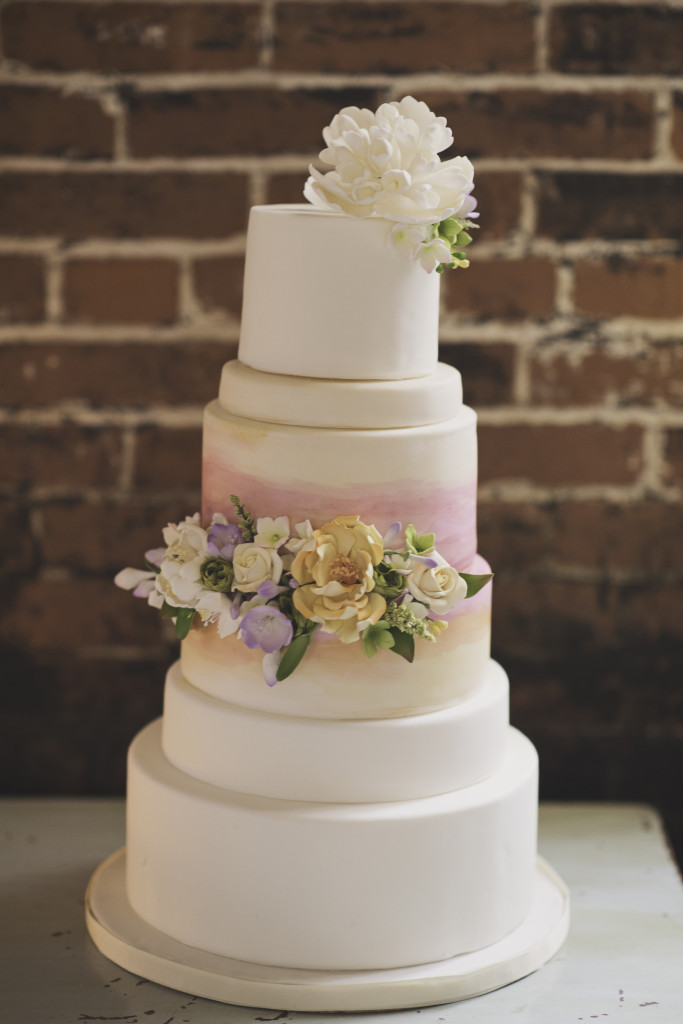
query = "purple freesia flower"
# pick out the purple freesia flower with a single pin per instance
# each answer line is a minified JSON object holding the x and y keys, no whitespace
{"x":266,"y":627}
{"x":222,"y":539}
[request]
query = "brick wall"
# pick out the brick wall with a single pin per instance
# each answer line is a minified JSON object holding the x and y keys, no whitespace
{"x":134,"y":137}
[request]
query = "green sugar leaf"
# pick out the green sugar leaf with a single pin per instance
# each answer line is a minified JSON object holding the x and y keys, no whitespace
{"x":404,"y":644}
{"x":183,"y":622}
{"x":293,"y":655}
{"x":475,"y":583}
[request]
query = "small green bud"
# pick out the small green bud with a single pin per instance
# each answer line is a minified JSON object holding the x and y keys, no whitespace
{"x":217,"y":574}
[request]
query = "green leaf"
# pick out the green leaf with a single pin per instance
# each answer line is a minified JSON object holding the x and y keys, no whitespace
{"x":377,"y":636}
{"x":151,"y":566}
{"x":419,"y":545}
{"x":168,"y":611}
{"x":463,"y":239}
{"x":183,"y":622}
{"x":475,"y":583}
{"x":404,"y":644}
{"x":294,"y":652}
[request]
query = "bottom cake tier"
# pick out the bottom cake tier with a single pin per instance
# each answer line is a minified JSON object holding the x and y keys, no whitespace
{"x":330,"y":886}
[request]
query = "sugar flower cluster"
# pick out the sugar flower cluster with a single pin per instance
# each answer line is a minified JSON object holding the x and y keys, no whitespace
{"x":386,"y":164}
{"x":274,"y":588}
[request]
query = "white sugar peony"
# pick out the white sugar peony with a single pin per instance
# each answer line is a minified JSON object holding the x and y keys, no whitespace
{"x":386,"y":164}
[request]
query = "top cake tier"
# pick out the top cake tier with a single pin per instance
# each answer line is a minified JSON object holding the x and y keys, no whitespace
{"x":325,"y":296}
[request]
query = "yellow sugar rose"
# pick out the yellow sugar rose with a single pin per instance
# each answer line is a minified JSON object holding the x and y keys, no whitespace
{"x":335,"y":573}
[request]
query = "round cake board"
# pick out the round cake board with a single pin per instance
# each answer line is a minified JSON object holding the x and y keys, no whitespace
{"x":126,"y":939}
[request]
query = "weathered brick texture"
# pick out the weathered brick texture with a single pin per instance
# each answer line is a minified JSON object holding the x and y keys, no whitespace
{"x":135,"y":37}
{"x":531,"y":122}
{"x":503,"y":289}
{"x":614,"y":39}
{"x":131,"y":374}
{"x":404,"y":37}
{"x":133,"y":139}
{"x":561,"y":455}
{"x":653,"y":375}
{"x":170,"y":204}
{"x":22,"y":289}
{"x":121,"y":291}
{"x":234,"y":121}
{"x":43,"y":122}
{"x":613,"y":206}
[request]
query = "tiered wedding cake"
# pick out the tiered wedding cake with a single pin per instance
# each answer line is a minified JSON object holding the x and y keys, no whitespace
{"x":334,"y":785}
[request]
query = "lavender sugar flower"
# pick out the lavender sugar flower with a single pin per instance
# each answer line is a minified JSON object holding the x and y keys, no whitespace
{"x":266,"y":627}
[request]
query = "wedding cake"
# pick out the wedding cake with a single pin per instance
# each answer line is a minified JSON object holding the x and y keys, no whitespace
{"x":334,"y":785}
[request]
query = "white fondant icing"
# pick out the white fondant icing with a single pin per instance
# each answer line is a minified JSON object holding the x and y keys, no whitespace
{"x":330,"y":886}
{"x":335,"y":760}
{"x":362,"y":404}
{"x":324,"y":296}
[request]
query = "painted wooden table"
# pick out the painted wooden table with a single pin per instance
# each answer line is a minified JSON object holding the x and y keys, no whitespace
{"x":623,"y":960}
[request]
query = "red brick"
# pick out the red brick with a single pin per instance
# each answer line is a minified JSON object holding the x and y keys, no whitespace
{"x":124,"y":373}
{"x":42,"y":122}
{"x":22,"y":289}
{"x":615,"y":39}
{"x":286,"y":188}
{"x":647,"y":287}
{"x":652,"y":376}
{"x":487,"y":370}
{"x":404,"y":38}
{"x":218,"y":284}
{"x":146,"y":37}
{"x":78,"y":613}
{"x":168,"y":460}
{"x":552,"y":455}
{"x":595,"y":205}
{"x":515,"y":536}
{"x":501,"y":289}
{"x":532,"y":122}
{"x":123,"y":205}
{"x":673,"y":457}
{"x":121,"y":291}
{"x":63,"y":456}
{"x":211,"y":122}
{"x":677,"y":133}
{"x":499,"y":197}
{"x":544,"y":617}
{"x":105,"y":537}
{"x":642,"y":538}
{"x":17,"y":545}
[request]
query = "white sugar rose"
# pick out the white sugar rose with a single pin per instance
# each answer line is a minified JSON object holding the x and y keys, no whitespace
{"x":386,"y":164}
{"x":440,"y":587}
{"x":254,"y":565}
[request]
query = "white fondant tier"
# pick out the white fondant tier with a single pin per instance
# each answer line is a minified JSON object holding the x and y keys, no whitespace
{"x":324,"y":296}
{"x":336,"y":680}
{"x":330,"y":886}
{"x":373,"y":404}
{"x":426,"y":475}
{"x":333,"y":760}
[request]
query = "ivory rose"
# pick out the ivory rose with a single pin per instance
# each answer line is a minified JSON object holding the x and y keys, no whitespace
{"x":336,"y":579}
{"x":440,"y":587}
{"x":254,"y":565}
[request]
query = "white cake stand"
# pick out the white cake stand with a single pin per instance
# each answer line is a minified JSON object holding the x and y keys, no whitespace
{"x":126,"y":939}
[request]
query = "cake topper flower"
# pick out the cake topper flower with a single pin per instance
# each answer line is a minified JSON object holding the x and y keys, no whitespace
{"x":275,"y":590}
{"x":386,"y":164}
